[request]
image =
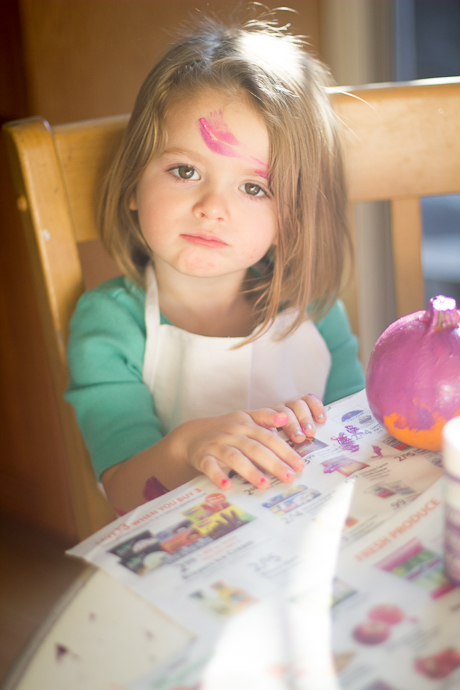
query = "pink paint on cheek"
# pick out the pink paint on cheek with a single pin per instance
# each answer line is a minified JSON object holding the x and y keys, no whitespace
{"x":153,"y":489}
{"x":261,"y":173}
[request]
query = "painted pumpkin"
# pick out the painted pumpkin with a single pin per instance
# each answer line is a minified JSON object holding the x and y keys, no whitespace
{"x":413,"y":375}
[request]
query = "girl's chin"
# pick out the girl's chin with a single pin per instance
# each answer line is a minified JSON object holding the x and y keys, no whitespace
{"x":199,"y":268}
{"x":195,"y":265}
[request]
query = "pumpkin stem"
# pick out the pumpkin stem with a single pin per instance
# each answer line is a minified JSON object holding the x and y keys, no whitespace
{"x":441,"y":313}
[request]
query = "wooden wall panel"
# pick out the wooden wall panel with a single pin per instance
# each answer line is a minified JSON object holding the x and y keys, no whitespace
{"x":88,"y":58}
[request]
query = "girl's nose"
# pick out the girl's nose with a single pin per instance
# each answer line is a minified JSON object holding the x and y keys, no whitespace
{"x":211,"y":205}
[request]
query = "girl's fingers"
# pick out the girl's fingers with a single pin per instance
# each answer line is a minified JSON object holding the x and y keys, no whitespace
{"x":303,"y":413}
{"x":250,"y":456}
{"x":300,"y":422}
{"x":238,"y":462}
{"x":316,"y":407}
{"x":272,"y":453}
{"x":249,"y":445}
{"x":268,"y":418}
{"x":211,"y":468}
{"x":274,"y":456}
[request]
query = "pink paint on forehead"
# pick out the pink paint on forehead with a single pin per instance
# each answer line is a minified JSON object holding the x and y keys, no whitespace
{"x":217,"y":136}
{"x":220,"y":128}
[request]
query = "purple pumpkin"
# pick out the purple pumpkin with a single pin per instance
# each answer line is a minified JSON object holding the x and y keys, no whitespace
{"x":413,"y":375}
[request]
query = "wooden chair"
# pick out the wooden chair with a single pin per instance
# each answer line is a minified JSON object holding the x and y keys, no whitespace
{"x":402,"y":141}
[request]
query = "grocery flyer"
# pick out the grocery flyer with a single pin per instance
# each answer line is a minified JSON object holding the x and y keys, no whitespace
{"x":297,"y":562}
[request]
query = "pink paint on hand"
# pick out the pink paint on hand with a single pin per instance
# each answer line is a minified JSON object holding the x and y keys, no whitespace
{"x":153,"y":489}
{"x":225,"y":483}
{"x":280,"y":419}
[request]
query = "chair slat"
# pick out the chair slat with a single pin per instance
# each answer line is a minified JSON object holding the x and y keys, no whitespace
{"x":406,"y":232}
{"x":85,"y":150}
{"x":55,"y":263}
{"x":401,"y":140}
{"x":49,"y":228}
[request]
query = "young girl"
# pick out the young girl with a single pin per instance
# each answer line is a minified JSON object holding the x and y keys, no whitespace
{"x":226,"y":211}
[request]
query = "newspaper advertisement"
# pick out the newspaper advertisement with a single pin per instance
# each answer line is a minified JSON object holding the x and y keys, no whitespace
{"x":383,"y":617}
{"x":209,"y":559}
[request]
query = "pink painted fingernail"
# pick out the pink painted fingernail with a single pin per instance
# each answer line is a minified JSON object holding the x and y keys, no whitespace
{"x":225,"y":482}
{"x":289,"y":476}
{"x":263,"y":481}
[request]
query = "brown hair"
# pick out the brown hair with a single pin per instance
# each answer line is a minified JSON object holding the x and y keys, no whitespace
{"x":288,"y":88}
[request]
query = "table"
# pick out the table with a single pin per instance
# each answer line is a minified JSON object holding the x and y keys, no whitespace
{"x":337,"y":581}
{"x":89,"y":643}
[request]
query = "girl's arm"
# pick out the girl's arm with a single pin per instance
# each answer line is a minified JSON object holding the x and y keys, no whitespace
{"x":115,"y":412}
{"x":246,"y":442}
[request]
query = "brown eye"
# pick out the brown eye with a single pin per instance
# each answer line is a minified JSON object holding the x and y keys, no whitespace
{"x":186,"y":172}
{"x":252,"y":189}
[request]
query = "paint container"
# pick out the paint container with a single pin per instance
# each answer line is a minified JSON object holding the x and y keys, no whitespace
{"x":451,"y":461}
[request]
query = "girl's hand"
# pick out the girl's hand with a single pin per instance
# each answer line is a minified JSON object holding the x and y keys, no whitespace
{"x":246,"y":442}
{"x":302,"y":413}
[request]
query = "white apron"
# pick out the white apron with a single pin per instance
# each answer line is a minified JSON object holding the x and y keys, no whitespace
{"x":193,"y":375}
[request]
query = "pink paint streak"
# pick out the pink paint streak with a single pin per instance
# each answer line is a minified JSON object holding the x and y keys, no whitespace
{"x":217,"y":136}
{"x":263,"y":170}
{"x":153,"y":489}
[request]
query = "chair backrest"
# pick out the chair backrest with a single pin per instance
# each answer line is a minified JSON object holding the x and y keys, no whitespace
{"x":402,"y":141}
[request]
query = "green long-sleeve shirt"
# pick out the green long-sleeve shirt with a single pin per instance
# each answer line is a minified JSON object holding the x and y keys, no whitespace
{"x":114,"y":407}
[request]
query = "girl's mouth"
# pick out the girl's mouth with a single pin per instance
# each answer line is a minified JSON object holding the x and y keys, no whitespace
{"x":205,"y":241}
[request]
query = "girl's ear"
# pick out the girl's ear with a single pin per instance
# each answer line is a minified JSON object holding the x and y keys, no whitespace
{"x":133,"y":202}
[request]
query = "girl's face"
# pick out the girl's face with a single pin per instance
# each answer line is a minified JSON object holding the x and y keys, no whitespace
{"x":203,"y":205}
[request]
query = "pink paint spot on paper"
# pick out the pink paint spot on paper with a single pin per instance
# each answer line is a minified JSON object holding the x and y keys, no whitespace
{"x":153,"y":489}
{"x":345,"y":442}
{"x":354,"y":432}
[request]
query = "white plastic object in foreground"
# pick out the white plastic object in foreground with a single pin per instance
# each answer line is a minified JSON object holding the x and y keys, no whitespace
{"x":451,"y":460}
